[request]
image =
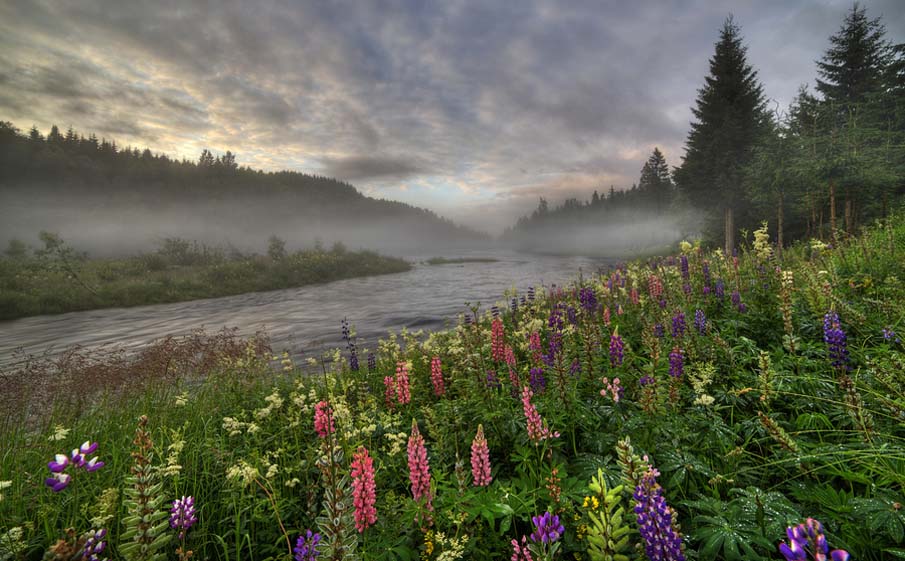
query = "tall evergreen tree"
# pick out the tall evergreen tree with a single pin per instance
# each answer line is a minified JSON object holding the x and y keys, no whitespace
{"x":729,"y":116}
{"x":656,"y":183}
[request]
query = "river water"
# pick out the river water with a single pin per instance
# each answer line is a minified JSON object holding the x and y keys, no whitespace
{"x":307,"y":319}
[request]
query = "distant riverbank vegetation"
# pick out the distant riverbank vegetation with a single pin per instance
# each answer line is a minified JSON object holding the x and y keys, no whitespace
{"x":459,"y":260}
{"x":56,"y":278}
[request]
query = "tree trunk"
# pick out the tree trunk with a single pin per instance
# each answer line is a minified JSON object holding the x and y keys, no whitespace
{"x":848,"y":216}
{"x":729,"y":231}
{"x":779,"y":217}
{"x":833,"y":211}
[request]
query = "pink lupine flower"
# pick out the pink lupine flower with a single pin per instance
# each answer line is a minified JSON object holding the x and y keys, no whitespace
{"x":389,"y":393}
{"x":497,"y":340}
{"x":534,"y":345}
{"x":323,"y":419}
{"x":480,"y":459}
{"x":537,"y":428}
{"x":437,"y":376}
{"x":606,"y":316}
{"x":521,"y":552}
{"x":419,"y":470}
{"x":614,"y":388}
{"x":655,"y":287}
{"x":364,"y":490}
{"x":633,"y":295}
{"x":403,"y":393}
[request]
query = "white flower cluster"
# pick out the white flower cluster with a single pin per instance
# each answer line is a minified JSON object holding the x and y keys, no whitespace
{"x":243,"y":473}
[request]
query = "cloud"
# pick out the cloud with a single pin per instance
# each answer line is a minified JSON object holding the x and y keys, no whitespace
{"x":355,"y":168}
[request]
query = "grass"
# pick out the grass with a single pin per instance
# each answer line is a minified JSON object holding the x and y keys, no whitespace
{"x":62,"y":281}
{"x":758,"y":432}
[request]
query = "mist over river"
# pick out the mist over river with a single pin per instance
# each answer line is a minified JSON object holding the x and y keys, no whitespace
{"x":306,"y":320}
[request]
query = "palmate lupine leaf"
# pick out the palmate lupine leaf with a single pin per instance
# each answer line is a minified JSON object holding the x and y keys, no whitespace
{"x":882,"y":515}
{"x":728,"y":531}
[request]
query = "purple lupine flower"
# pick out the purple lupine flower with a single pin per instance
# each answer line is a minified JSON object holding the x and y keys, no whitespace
{"x":94,"y":545}
{"x":531,"y":294}
{"x":617,"y":349}
{"x":513,"y":305}
{"x":306,"y":546}
{"x":737,"y":301}
{"x":572,"y":315}
{"x":683,"y":264}
{"x":808,"y":538}
{"x":588,"y":299}
{"x":662,"y":303}
{"x":686,"y":288}
{"x":182,"y":515}
{"x":834,"y":337}
{"x":719,"y":289}
{"x":676,"y":363}
{"x":700,"y":321}
{"x":522,"y":300}
{"x":678,"y":324}
{"x":58,"y":479}
{"x":537,"y":380}
{"x":547,"y":528}
{"x":492,"y":380}
{"x":890,"y":335}
{"x":372,"y":362}
{"x":705,"y":269}
{"x":645,"y":380}
{"x":659,"y":331}
{"x":350,"y":343}
{"x":661,"y":541}
{"x":495,"y":311}
{"x":575,"y":368}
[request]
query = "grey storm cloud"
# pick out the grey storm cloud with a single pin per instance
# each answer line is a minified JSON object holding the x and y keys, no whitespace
{"x":491,"y":101}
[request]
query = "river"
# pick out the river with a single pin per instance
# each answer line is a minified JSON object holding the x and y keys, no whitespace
{"x":307,"y":319}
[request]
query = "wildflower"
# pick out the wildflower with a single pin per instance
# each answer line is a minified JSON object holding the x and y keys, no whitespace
{"x":306,"y":546}
{"x":606,"y":316}
{"x":700,"y":321}
{"x":4,"y":485}
{"x":616,"y":349}
{"x":537,"y":380}
{"x":349,"y":338}
{"x":372,"y":362}
{"x":654,"y":287}
{"x":182,"y":515}
{"x":495,"y":311}
{"x":676,"y":363}
{"x":419,"y":470}
{"x":705,"y":271}
{"x":683,"y":266}
{"x":719,"y":289}
{"x":58,"y":479}
{"x":588,"y":300}
{"x":497,"y":342}
{"x":615,"y":388}
{"x":437,"y":376}
{"x":808,"y":538}
{"x":834,"y":337}
{"x":575,"y":367}
{"x":890,"y":335}
{"x":531,"y":294}
{"x":655,"y":520}
{"x":521,"y":552}
{"x":547,"y":528}
{"x":737,"y":301}
{"x":323,"y":419}
{"x":389,"y":395}
{"x":480,"y":459}
{"x":403,"y":393}
{"x":94,"y":545}
{"x":633,"y":296}
{"x":534,"y":345}
{"x":364,"y":490}
{"x":513,"y":305}
{"x":678,"y":325}
{"x":537,"y":428}
{"x":659,"y":331}
{"x":492,"y":381}
{"x":59,"y":433}
{"x":182,"y":399}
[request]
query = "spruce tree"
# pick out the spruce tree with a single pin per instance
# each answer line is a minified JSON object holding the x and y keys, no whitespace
{"x":655,"y":183}
{"x":729,"y":116}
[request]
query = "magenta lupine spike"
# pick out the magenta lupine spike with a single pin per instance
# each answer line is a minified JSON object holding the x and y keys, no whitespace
{"x":520,"y":552}
{"x":182,"y":515}
{"x":655,"y":521}
{"x":537,"y":427}
{"x":403,"y":392}
{"x":323,"y":419}
{"x":654,"y":287}
{"x":364,"y":489}
{"x":807,"y":541}
{"x":437,"y":377}
{"x":389,"y":393}
{"x":497,"y":340}
{"x":534,"y":345}
{"x":606,"y":316}
{"x":480,"y":459}
{"x":419,"y":469}
{"x":616,"y":349}
{"x":633,"y":296}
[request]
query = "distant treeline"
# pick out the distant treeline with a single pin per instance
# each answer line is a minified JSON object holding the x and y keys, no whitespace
{"x":72,"y":164}
{"x":829,"y":163}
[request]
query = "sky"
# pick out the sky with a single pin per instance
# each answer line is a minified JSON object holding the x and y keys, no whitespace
{"x":473,"y":109}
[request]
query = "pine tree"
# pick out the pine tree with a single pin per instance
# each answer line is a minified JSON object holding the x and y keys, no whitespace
{"x":729,"y":116}
{"x":655,"y":183}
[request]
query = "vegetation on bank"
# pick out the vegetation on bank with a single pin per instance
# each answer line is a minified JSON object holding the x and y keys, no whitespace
{"x":688,"y":407}
{"x":459,"y":260}
{"x":57,"y":279}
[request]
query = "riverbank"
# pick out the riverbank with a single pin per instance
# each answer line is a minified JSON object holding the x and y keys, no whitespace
{"x":61,"y":280}
{"x":746,"y":393}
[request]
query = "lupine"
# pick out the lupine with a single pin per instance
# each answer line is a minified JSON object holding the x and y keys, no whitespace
{"x":588,"y":300}
{"x":890,"y":335}
{"x":182,"y":515}
{"x":676,"y":363}
{"x":537,"y":428}
{"x":389,"y":391}
{"x":537,"y":380}
{"x":437,"y":376}
{"x":480,"y":459}
{"x":547,"y":528}
{"x":719,"y":289}
{"x":419,"y":470}
{"x":372,"y":362}
{"x":678,"y":324}
{"x":59,"y":479}
{"x":95,"y":544}
{"x":497,"y":340}
{"x":306,"y":546}
{"x":615,"y":388}
{"x":654,"y":287}
{"x":737,"y":301}
{"x":531,"y":294}
{"x":633,"y":296}
{"x":353,"y":351}
{"x":323,"y":419}
{"x":534,"y":345}
{"x":364,"y":489}
{"x":513,"y":305}
{"x":617,"y":349}
{"x":495,"y":311}
{"x":491,"y":380}
{"x":807,"y":541}
{"x":606,"y":316}
{"x":403,"y":392}
{"x":705,"y":270}
{"x":655,"y":520}
{"x":700,"y":321}
{"x":520,"y":552}
{"x":683,"y":265}
{"x":659,"y":331}
{"x":834,"y":337}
